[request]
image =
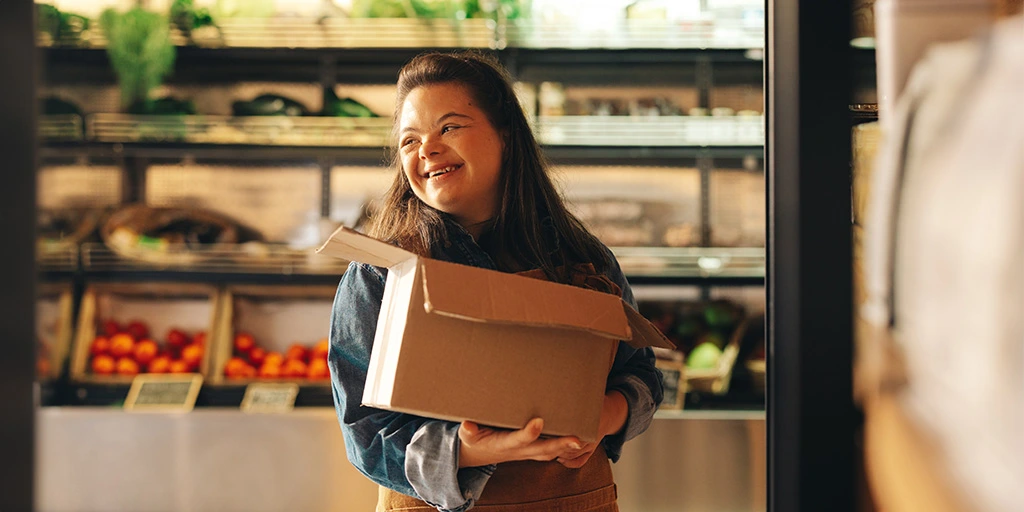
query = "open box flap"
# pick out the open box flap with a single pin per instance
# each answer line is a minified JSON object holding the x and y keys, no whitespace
{"x":348,"y":244}
{"x":482,"y":295}
{"x":645,"y":334}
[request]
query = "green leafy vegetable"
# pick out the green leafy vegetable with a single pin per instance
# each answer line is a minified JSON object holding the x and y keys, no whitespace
{"x":187,"y":17}
{"x":140,"y":50}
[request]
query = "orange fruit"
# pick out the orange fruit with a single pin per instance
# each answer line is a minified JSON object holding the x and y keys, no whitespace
{"x":234,"y":367}
{"x":297,"y":352}
{"x":257,"y":355}
{"x":270,"y":371}
{"x":248,"y":372}
{"x":121,"y":345}
{"x":244,"y":342}
{"x":293,"y":369}
{"x":145,"y":351}
{"x":320,"y":350}
{"x":127,"y":366}
{"x":318,"y":370}
{"x":161,"y":364}
{"x":178,"y":366}
{"x":103,"y":364}
{"x":274,"y":358}
{"x":100,"y":345}
{"x":193,"y":355}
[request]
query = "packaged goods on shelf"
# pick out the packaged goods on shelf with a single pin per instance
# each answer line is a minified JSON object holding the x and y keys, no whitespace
{"x":273,"y":333}
{"x":125,"y":329}
{"x":54,"y":328}
{"x":517,"y":351}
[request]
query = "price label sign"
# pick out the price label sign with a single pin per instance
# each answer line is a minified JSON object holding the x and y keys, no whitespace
{"x":674,"y":382}
{"x":163,"y":392}
{"x":270,"y":397}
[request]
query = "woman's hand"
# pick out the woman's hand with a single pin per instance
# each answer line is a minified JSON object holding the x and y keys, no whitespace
{"x":613,"y":417}
{"x":481,"y":446}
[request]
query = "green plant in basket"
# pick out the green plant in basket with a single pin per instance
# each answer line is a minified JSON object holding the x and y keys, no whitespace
{"x":141,"y":52}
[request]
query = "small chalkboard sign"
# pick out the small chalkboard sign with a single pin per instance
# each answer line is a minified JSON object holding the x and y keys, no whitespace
{"x":269,"y":397}
{"x":674,"y":384}
{"x":163,"y":392}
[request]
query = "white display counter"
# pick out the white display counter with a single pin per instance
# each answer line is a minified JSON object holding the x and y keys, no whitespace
{"x":223,"y":460}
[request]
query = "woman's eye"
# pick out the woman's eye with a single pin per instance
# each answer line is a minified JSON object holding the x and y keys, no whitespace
{"x":448,"y":128}
{"x":407,"y":142}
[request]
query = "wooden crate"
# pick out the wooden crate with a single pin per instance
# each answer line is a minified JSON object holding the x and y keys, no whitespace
{"x":277,"y":317}
{"x":54,"y":327}
{"x":716,"y":380}
{"x":154,"y":303}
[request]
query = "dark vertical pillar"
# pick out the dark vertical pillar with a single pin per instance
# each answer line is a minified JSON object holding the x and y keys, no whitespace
{"x":17,"y":224}
{"x":809,"y":276}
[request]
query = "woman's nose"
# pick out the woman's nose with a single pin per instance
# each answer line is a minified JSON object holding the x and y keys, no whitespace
{"x":430,"y":147}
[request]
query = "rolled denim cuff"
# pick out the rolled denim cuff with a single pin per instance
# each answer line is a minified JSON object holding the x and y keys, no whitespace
{"x":432,"y":467}
{"x":641,"y":412}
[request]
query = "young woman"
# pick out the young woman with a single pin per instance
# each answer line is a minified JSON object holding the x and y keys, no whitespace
{"x":471,"y":187}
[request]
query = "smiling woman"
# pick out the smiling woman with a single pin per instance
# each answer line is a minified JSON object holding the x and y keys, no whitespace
{"x":451,"y":154}
{"x":471,"y":187}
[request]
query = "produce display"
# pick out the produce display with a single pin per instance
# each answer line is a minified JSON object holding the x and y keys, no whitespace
{"x":141,"y":52}
{"x":700,"y":329}
{"x":63,"y":27}
{"x":300,"y":361}
{"x":454,"y":9}
{"x":169,"y":235}
{"x":130,"y":348}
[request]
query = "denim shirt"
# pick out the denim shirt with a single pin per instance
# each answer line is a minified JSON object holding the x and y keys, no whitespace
{"x":418,"y":456}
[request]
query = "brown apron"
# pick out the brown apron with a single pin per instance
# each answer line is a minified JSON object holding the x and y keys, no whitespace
{"x":528,"y":486}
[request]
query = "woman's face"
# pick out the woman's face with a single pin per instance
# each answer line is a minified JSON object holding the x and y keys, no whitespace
{"x":450,"y":153}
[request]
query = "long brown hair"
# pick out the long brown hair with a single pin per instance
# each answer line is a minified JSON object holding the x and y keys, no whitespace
{"x":532,"y":228}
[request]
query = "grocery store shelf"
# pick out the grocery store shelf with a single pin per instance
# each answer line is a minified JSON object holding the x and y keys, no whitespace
{"x":637,"y":34}
{"x":353,"y":33}
{"x":670,"y":265}
{"x":69,"y":127}
{"x":253,"y":130}
{"x":276,"y":264}
{"x":248,"y":263}
{"x":651,"y":131}
{"x":381,"y":65}
{"x":712,"y":415}
{"x":56,"y":263}
{"x":665,"y":156}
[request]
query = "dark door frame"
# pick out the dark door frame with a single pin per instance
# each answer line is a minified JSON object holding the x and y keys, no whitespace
{"x":811,"y":420}
{"x":17,"y":223}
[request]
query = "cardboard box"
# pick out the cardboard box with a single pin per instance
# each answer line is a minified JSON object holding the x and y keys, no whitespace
{"x":456,"y":342}
{"x":277,"y":317}
{"x":190,"y":307}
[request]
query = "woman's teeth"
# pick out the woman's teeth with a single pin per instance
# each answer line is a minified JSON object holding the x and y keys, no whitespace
{"x":442,"y":171}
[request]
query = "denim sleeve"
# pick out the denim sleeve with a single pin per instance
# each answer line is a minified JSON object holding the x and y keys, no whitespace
{"x":383,"y":445}
{"x":634,"y":375}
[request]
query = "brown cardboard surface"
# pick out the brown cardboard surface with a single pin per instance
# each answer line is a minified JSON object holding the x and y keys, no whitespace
{"x":477,"y":294}
{"x":349,"y":244}
{"x":643,"y":333}
{"x":462,"y":343}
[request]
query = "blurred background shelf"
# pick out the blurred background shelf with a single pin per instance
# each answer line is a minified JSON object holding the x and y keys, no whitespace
{"x":274,"y":263}
{"x":652,"y":131}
